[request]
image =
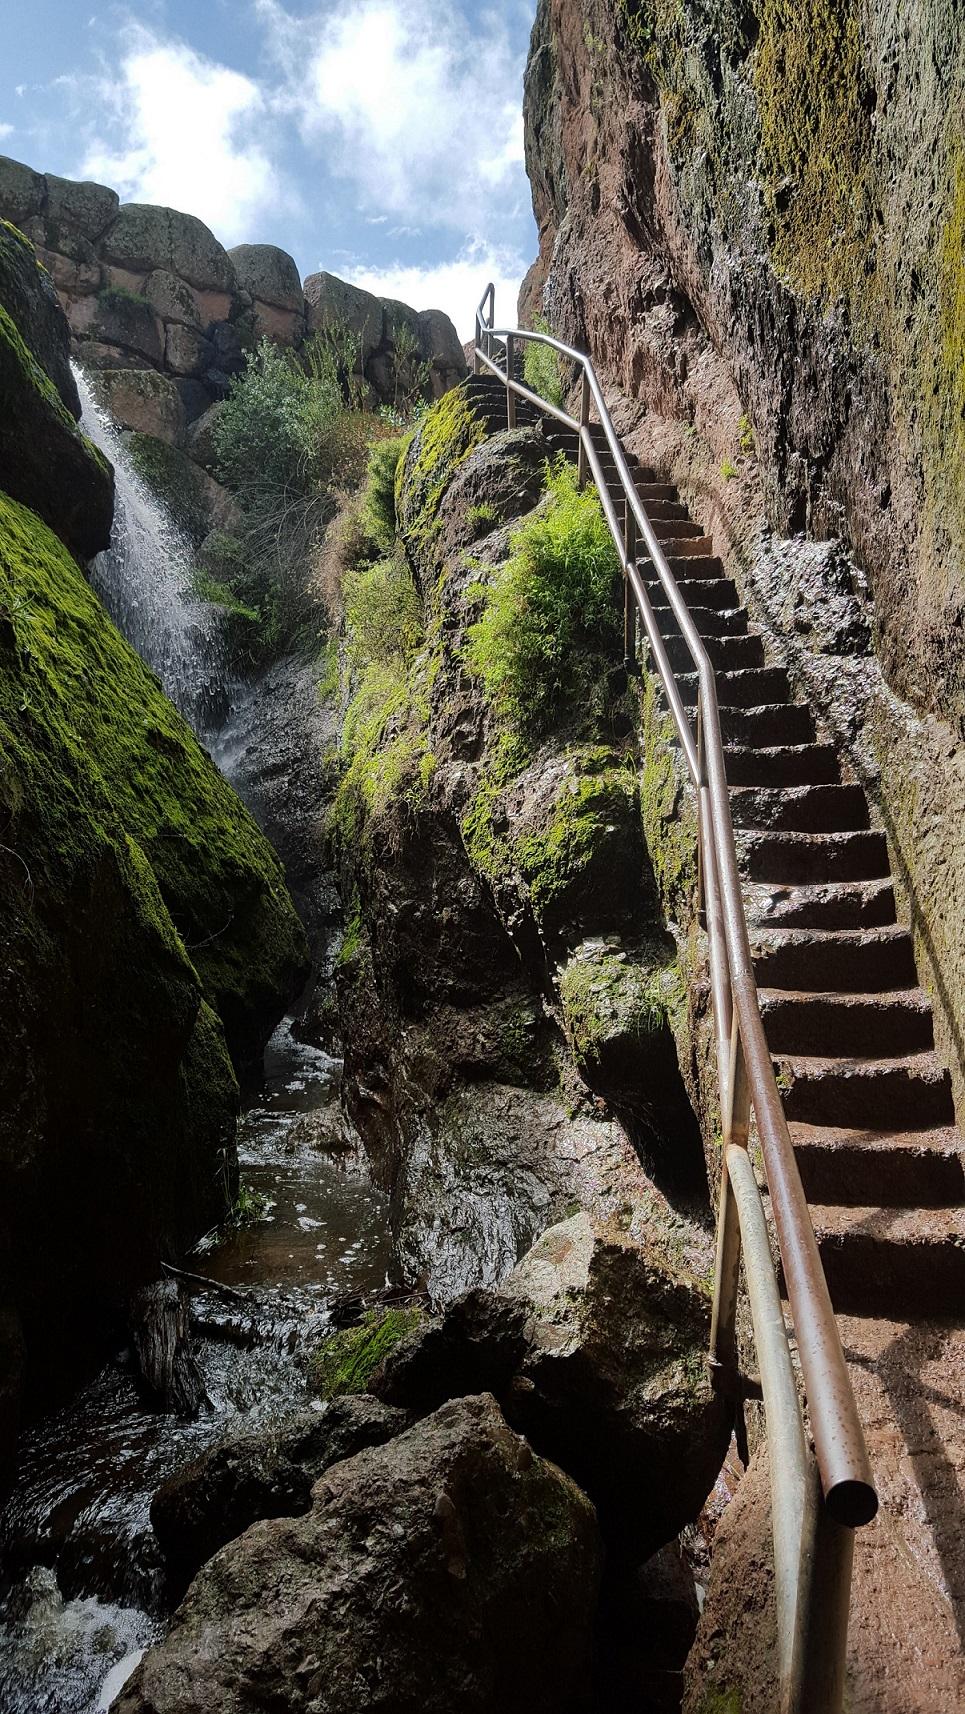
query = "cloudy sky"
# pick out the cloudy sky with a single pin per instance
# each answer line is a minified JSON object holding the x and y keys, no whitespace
{"x":381,"y":140}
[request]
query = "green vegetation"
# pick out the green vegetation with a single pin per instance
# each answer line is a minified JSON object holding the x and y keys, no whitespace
{"x":728,"y":469}
{"x":378,"y":504}
{"x":250,"y":1207}
{"x":745,"y":436}
{"x":611,"y":995}
{"x":567,"y":863}
{"x":119,"y":297}
{"x":445,"y":437}
{"x":549,"y":630}
{"x":481,"y":519}
{"x":542,"y":367}
{"x":348,"y":1359}
{"x":97,"y":758}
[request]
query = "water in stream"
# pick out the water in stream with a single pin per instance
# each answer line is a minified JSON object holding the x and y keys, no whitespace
{"x":87,"y":1590}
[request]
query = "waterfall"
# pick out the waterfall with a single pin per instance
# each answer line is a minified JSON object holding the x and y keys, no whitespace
{"x":144,"y":581}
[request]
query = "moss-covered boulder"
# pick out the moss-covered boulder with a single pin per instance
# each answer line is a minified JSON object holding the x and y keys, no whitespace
{"x":143,"y":915}
{"x":446,"y":436}
{"x":45,"y":461}
{"x":197,"y":502}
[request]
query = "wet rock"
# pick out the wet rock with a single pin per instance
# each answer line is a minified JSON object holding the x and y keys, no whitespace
{"x":142,"y":400}
{"x":168,"y":1369}
{"x":447,"y":1569}
{"x":27,"y":296}
{"x":11,"y":1388}
{"x":268,"y":1473}
{"x":199,"y":503}
{"x":606,"y":1341}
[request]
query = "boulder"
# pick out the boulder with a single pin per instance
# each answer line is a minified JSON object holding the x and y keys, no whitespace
{"x":197,"y":502}
{"x":144,"y":237}
{"x":28,"y":297}
{"x":45,"y":461}
{"x":142,"y":399}
{"x":195,"y":396}
{"x":170,"y":298}
{"x":449,"y":1568}
{"x":332,"y":303}
{"x":82,"y":205}
{"x":607,"y":1343}
{"x":440,"y":347}
{"x":185,"y":351}
{"x":269,"y":275}
{"x":119,"y":317}
{"x":200,"y":443}
{"x":265,"y":1473}
{"x":21,"y":191}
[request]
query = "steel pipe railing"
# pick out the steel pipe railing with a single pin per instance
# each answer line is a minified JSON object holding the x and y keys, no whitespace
{"x":813,"y":1525}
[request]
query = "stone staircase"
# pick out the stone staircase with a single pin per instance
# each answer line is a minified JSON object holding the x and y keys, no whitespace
{"x":868,"y":1101}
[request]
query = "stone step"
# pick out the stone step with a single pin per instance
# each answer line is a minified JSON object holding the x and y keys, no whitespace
{"x":876,"y":1026}
{"x":781,"y":765}
{"x":829,"y":905}
{"x":744,"y":687}
{"x":800,"y":809}
{"x":686,"y":548}
{"x":768,"y":724}
{"x":677,"y":530}
{"x":648,"y":490}
{"x":886,"y":1260}
{"x":704,"y":592}
{"x":726,"y":653}
{"x":849,"y":961}
{"x":892,"y":1168}
{"x":690,"y":565}
{"x":708,"y":621}
{"x":910,"y":1092}
{"x":812,"y":858}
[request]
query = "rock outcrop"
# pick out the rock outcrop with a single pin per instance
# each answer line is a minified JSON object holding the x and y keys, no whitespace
{"x":150,"y":292}
{"x":596,"y":1348}
{"x":450,"y":1568}
{"x":145,"y":925}
{"x":753,"y":221}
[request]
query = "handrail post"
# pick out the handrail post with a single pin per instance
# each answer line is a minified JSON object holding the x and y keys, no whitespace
{"x":819,"y":1657}
{"x":584,"y":427}
{"x":735,"y":1113}
{"x":510,"y":395}
{"x":629,"y":603}
{"x":476,"y":360}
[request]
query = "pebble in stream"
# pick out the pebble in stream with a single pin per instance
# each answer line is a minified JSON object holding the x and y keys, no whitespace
{"x":86,"y":1595}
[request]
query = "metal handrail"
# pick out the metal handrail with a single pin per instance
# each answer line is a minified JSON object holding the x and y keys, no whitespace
{"x":813,"y":1523}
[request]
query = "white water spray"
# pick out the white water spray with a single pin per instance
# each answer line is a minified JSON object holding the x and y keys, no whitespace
{"x":144,"y":581}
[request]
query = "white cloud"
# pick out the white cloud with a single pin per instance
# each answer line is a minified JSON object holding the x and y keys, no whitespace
{"x":5,"y":130}
{"x":455,"y":286}
{"x":420,"y":110}
{"x":184,"y":131}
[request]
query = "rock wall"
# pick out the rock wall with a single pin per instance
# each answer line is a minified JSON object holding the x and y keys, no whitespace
{"x":145,"y":930}
{"x":151,"y":293}
{"x":751,"y":216}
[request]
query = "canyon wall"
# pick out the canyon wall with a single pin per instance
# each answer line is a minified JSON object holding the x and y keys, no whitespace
{"x":751,"y":215}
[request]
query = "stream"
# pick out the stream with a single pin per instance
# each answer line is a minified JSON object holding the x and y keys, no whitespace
{"x":81,"y":1575}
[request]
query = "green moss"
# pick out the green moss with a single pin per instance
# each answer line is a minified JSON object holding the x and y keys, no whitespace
{"x":447,"y":434}
{"x":548,"y":633}
{"x":815,"y":99}
{"x":593,"y":806}
{"x":721,"y":1700}
{"x":728,"y":469}
{"x":480,"y":519}
{"x":612,"y":995}
{"x":99,"y":754}
{"x":349,"y":1358}
{"x":542,"y":369}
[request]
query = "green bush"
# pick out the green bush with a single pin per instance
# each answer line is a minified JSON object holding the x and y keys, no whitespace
{"x":542,"y":368}
{"x":263,"y":437}
{"x":379,"y":503}
{"x":551,"y":622}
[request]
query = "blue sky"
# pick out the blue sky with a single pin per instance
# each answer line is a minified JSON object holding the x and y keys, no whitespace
{"x":381,"y":140}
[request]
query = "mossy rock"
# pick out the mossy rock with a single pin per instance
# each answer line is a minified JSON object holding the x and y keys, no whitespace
{"x":196,"y":502}
{"x":580,"y":851}
{"x":45,"y":461}
{"x":27,"y":294}
{"x":445,"y":437}
{"x":350,"y":1357}
{"x":93,"y":741}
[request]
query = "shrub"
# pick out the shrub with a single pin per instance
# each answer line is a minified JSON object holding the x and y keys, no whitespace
{"x":263,"y":435}
{"x":542,"y":367}
{"x":551,"y":624}
{"x":379,"y":503}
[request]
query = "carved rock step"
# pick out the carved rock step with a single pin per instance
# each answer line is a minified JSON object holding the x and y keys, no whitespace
{"x":781,"y":765}
{"x":694,"y":566}
{"x":892,"y":1168}
{"x":813,"y":857}
{"x":910,"y":1092}
{"x":882,"y":1260}
{"x":800,"y":809}
{"x":708,"y":621}
{"x":717,"y":592}
{"x":831,"y":905}
{"x":865,"y":961}
{"x":872,"y":1025}
{"x":727,"y":654}
{"x":768,"y":723}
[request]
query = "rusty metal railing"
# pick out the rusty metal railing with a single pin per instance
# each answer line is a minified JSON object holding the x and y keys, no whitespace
{"x":819,"y":1498}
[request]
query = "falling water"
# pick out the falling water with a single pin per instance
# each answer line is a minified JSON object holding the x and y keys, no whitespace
{"x":144,"y":581}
